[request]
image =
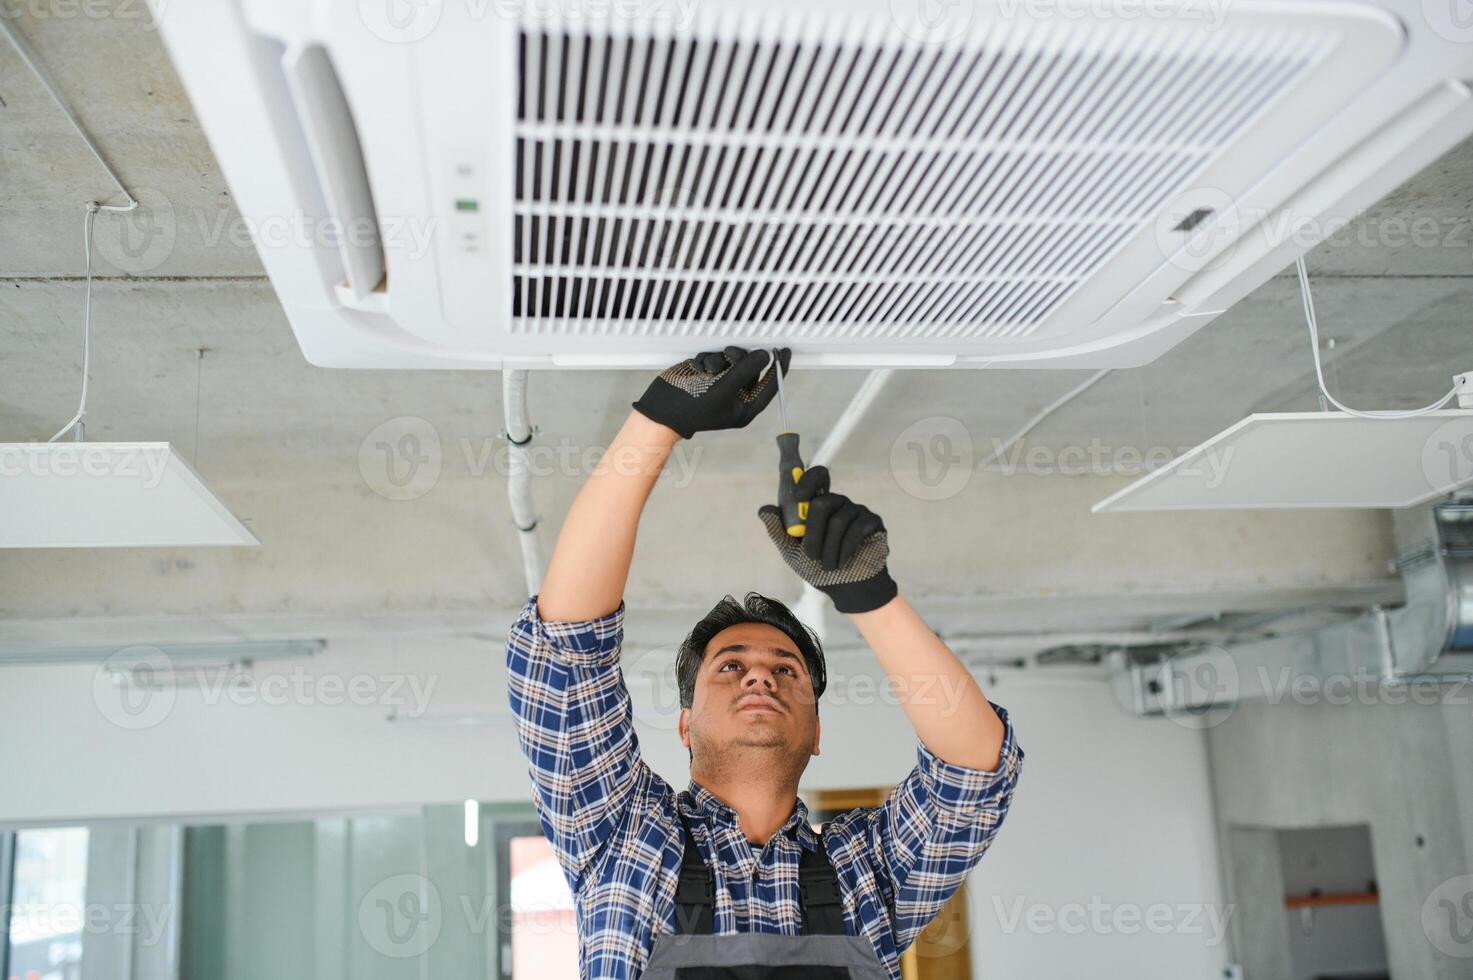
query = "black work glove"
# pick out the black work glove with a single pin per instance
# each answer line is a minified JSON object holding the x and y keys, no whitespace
{"x":716,"y":390}
{"x":842,"y":553}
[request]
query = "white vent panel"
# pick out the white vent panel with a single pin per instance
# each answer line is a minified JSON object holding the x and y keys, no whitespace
{"x":870,"y":190}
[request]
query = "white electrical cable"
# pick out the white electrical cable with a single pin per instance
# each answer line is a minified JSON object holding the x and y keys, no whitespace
{"x":1048,"y":410}
{"x":1319,"y":371}
{"x":31,"y":62}
{"x":76,"y":421}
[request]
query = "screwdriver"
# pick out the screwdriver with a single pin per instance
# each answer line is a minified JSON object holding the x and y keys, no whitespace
{"x":789,"y":467}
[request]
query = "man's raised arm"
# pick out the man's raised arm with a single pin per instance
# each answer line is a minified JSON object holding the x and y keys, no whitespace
{"x":844,"y":554}
{"x":940,"y":696}
{"x":590,"y":563}
{"x":936,"y":824}
{"x":567,"y":693}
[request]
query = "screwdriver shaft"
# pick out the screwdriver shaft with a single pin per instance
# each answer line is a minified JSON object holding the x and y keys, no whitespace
{"x":782,"y":397}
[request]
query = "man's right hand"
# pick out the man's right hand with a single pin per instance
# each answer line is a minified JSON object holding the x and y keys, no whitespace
{"x":711,"y":391}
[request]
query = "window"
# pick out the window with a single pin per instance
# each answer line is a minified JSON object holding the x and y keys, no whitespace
{"x":48,"y":907}
{"x":539,"y":930}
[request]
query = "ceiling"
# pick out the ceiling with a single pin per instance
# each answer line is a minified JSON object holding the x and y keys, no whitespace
{"x":191,"y":347}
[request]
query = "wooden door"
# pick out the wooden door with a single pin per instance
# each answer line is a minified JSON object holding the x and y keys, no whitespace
{"x":941,"y":952}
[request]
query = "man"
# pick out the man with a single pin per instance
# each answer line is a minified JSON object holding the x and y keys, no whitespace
{"x":728,"y":875}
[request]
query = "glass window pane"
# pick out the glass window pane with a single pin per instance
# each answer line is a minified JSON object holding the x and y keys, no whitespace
{"x":48,"y":904}
{"x":544,"y":930}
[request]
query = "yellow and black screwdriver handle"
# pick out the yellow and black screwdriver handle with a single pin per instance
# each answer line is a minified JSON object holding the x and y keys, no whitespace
{"x":789,"y":472}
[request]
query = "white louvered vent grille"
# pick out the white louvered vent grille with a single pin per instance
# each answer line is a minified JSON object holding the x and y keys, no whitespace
{"x":882,"y":190}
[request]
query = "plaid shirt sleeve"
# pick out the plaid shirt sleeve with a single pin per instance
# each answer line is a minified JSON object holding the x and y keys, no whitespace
{"x":573,"y":720}
{"x":934,"y":827}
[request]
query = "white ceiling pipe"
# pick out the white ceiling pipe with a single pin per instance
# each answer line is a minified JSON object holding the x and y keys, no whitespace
{"x":518,"y":435}
{"x":812,"y":606}
{"x":868,"y":391}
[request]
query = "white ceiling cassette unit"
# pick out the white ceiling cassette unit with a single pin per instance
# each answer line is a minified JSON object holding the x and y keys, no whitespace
{"x":594,"y":183}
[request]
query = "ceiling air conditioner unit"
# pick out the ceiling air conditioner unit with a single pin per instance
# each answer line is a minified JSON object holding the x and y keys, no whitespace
{"x":619,"y":183}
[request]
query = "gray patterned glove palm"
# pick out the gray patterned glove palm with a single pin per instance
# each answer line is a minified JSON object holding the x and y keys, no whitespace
{"x":715,"y":390}
{"x":843,"y":550}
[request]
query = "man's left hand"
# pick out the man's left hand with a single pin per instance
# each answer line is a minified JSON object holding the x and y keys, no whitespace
{"x":842,"y":552}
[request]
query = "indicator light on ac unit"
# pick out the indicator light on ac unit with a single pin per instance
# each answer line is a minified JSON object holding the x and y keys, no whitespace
{"x":467,"y":204}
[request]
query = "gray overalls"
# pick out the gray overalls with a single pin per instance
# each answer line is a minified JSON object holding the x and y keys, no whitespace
{"x":823,"y":952}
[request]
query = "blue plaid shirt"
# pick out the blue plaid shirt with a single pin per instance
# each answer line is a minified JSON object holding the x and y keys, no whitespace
{"x":614,"y":825}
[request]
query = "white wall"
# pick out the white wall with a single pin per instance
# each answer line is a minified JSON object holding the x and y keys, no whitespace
{"x":1109,"y":851}
{"x":1398,"y":768}
{"x":1111,"y":811}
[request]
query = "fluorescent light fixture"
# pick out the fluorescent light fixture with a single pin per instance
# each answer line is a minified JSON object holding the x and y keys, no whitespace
{"x":182,"y":655}
{"x":472,"y":823}
{"x":108,"y":495}
{"x":485,"y":719}
{"x":1309,"y":460}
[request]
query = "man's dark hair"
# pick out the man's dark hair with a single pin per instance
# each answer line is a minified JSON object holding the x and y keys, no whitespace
{"x":754,"y":609}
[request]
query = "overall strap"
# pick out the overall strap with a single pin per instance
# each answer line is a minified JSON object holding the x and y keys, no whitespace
{"x":695,"y":893}
{"x":818,"y":893}
{"x":819,"y":901}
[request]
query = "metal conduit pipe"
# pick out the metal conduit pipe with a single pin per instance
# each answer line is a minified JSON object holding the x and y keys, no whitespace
{"x":1426,"y":641}
{"x":518,"y":434}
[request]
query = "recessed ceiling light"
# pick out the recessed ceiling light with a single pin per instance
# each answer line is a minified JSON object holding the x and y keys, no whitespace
{"x":1312,"y":459}
{"x":108,"y":495}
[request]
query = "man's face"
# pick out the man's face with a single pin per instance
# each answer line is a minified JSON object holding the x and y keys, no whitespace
{"x":753,"y":691}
